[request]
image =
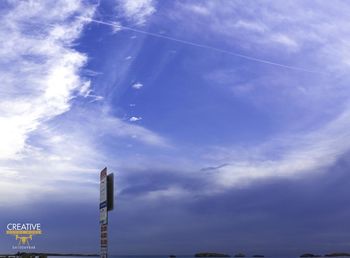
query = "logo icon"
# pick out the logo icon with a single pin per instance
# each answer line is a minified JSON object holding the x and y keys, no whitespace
{"x":23,"y":233}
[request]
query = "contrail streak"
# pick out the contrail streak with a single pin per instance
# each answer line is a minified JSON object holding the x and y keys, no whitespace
{"x":254,"y":59}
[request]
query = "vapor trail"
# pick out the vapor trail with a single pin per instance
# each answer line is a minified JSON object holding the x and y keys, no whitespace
{"x":251,"y":58}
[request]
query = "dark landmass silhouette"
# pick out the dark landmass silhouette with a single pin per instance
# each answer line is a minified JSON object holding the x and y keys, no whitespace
{"x":337,"y":254}
{"x":310,"y":255}
{"x":326,"y":255}
{"x":205,"y":254}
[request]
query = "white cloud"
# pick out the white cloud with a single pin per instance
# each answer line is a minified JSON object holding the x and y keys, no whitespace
{"x":252,"y":25}
{"x":274,"y":30}
{"x":116,"y":27}
{"x":198,"y":8}
{"x":136,"y":11}
{"x":312,"y":36}
{"x":49,"y":146}
{"x":134,"y":119}
{"x":285,"y":40}
{"x":287,"y":156}
{"x":172,"y":192}
{"x":137,"y":85}
{"x":64,"y":156}
{"x":40,"y":70}
{"x":40,"y":76}
{"x":121,"y":129}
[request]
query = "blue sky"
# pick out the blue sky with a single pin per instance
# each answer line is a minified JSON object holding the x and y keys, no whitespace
{"x":225,"y":123}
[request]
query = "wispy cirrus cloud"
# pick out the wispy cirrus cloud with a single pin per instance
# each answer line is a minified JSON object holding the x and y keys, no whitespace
{"x":63,"y":156}
{"x":46,"y":138}
{"x":136,"y":11}
{"x":39,"y":69}
{"x":303,"y":39}
{"x":40,"y":73}
{"x":269,"y":25}
{"x":50,"y":68}
{"x":310,"y":133}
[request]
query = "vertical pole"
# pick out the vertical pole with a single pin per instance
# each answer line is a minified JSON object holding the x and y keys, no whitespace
{"x":103,"y":214}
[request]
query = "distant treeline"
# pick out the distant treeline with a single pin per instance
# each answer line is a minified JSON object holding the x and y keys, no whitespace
{"x":326,"y":255}
{"x":206,"y":254}
{"x":211,"y":254}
